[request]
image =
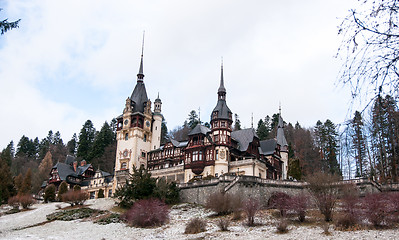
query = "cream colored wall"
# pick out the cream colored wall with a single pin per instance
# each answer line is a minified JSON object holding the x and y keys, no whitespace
{"x":284,"y":158}
{"x":188,"y":174}
{"x":250,"y":169}
{"x":156,"y":132}
{"x":222,"y":163}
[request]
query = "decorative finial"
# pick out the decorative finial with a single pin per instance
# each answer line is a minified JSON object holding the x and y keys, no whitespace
{"x":279,"y":108}
{"x":142,"y":46}
{"x":252,"y":120}
{"x":199,"y":115}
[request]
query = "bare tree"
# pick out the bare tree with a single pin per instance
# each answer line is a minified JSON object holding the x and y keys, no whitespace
{"x":370,"y":48}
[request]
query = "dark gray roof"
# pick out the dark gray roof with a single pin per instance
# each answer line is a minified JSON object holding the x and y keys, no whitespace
{"x":64,"y":170}
{"x":280,"y":133}
{"x":199,"y":129}
{"x":81,"y":169}
{"x":222,"y":109}
{"x":139,"y":97}
{"x":174,"y":142}
{"x":158,"y":99}
{"x":268,"y":146}
{"x":244,"y":137}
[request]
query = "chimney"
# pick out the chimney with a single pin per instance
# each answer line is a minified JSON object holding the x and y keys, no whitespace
{"x":82,"y":163}
{"x":75,"y":164}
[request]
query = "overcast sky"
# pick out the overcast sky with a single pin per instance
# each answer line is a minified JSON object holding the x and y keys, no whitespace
{"x":70,"y":61}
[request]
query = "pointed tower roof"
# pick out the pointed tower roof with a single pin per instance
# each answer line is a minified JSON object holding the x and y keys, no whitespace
{"x":139,"y":94}
{"x":223,"y":111}
{"x":222,"y":89}
{"x":280,"y":132}
{"x":158,"y":99}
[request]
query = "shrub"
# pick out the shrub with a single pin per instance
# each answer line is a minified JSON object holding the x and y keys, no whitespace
{"x":25,"y":200}
{"x":73,"y":214}
{"x":147,"y":213}
{"x":13,"y":202}
{"x":394,"y":203}
{"x":75,"y":197}
{"x":223,"y":224}
{"x":166,"y":192}
{"x":223,"y":204}
{"x":251,"y":207}
{"x":77,"y":188}
{"x":281,"y":226}
{"x":112,"y":218}
{"x":196,"y":225}
{"x":280,"y":201}
{"x":375,"y":207}
{"x":325,"y":190}
{"x":63,"y":188}
{"x":350,"y":207}
{"x":49,"y":193}
{"x":299,"y":204}
{"x":100,"y":193}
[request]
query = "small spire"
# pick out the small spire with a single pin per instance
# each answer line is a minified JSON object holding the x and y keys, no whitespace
{"x":222,"y":89}
{"x":199,"y":115}
{"x":140,"y":75}
{"x":279,"y":108}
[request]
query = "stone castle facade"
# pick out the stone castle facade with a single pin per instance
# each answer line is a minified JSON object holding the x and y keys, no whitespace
{"x":208,"y":152}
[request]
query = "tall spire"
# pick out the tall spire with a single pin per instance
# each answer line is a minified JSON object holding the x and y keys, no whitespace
{"x":140,"y":75}
{"x":222,"y":89}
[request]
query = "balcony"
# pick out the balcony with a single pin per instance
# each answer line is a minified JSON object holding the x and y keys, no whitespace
{"x":122,"y":174}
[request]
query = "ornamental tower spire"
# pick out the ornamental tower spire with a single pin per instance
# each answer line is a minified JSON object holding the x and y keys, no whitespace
{"x":140,"y":75}
{"x":222,"y":89}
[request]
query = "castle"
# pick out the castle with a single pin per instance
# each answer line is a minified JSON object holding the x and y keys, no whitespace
{"x":209,"y":152}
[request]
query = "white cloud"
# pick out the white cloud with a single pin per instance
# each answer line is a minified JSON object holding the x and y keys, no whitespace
{"x":273,"y":51}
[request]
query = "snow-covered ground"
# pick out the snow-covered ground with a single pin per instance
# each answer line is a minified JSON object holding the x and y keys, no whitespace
{"x":17,"y":226}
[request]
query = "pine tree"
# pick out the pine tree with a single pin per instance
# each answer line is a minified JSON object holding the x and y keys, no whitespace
{"x":8,"y":153}
{"x":359,"y":145}
{"x":6,"y":26}
{"x":326,"y":138}
{"x":86,"y":138}
{"x":164,"y":132}
{"x":26,"y":148}
{"x":139,"y":186}
{"x":193,"y":119}
{"x":262,"y":130}
{"x":72,"y":145}
{"x":237,"y":122}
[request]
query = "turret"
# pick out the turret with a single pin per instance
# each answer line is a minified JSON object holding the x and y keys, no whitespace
{"x":157,"y":105}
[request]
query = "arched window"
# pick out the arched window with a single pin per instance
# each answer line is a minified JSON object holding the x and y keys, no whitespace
{"x":145,"y":137}
{"x":126,"y":136}
{"x":123,"y":166}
